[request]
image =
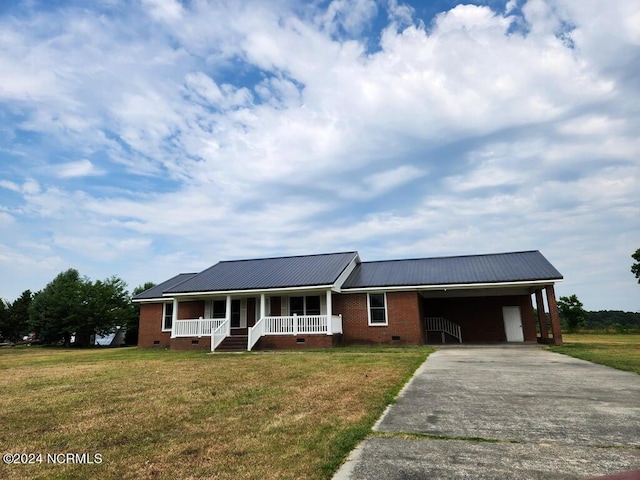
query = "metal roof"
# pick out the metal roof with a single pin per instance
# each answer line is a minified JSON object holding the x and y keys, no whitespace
{"x":158,"y":290}
{"x":472,"y":269}
{"x":267,"y":273}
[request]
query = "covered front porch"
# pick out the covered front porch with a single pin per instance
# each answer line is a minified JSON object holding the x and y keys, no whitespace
{"x":237,"y":321}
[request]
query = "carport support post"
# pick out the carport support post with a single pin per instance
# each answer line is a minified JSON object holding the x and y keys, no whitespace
{"x":555,"y":316}
{"x":542,"y":317}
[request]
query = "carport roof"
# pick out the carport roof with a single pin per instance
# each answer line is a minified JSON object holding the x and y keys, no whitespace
{"x":462,"y":270}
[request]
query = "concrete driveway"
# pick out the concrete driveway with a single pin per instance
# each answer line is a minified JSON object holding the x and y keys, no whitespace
{"x":505,"y":412}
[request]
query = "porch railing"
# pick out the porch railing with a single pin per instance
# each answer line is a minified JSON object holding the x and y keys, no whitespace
{"x":220,"y":333}
{"x":294,"y":325}
{"x":196,"y":327}
{"x":442,"y":325}
{"x":254,"y":333}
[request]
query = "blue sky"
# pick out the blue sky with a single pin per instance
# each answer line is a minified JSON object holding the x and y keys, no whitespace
{"x":142,"y":138}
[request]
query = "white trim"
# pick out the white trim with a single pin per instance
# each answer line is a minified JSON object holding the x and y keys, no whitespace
{"x":249,"y":293}
{"x":164,"y":314}
{"x":453,"y":286}
{"x":337,"y":286}
{"x":386,"y":314}
{"x":151,"y":300}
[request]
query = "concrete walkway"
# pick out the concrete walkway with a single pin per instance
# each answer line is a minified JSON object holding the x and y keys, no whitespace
{"x":505,"y":413}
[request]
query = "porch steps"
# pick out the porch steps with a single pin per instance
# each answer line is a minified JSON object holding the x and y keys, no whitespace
{"x":234,"y":343}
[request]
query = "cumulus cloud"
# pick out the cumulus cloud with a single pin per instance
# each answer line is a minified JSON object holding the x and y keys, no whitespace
{"x":210,"y":130}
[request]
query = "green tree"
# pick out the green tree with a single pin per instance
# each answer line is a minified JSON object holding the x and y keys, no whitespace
{"x":73,"y":305}
{"x":4,"y":319}
{"x":571,"y":312}
{"x":18,"y":319}
{"x":54,"y":313}
{"x":105,"y":306}
{"x":635,"y":268}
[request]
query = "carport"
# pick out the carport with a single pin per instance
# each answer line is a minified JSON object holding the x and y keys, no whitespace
{"x":491,"y":314}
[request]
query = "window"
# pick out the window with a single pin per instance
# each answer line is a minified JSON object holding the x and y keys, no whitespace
{"x":218,"y":309}
{"x":235,"y":313}
{"x":167,"y":317}
{"x":304,"y":305}
{"x":313,"y":305}
{"x":296,"y":306}
{"x":377,"y":308}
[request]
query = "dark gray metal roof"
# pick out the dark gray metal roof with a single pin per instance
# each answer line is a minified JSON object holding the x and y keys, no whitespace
{"x":158,"y":290}
{"x":265,"y":273}
{"x":492,"y":268}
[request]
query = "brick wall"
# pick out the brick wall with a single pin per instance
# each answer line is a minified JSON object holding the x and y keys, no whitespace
{"x":150,"y":332}
{"x":481,"y":317}
{"x":150,"y":327}
{"x":191,"y":309}
{"x":290,"y":342}
{"x":403,"y":318}
{"x":191,"y":343}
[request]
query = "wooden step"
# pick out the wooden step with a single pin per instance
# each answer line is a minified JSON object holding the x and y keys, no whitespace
{"x":234,"y":343}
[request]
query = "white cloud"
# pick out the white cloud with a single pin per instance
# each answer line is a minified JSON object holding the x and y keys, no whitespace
{"x":229,"y":129}
{"x":80,"y":168}
{"x":164,"y":10}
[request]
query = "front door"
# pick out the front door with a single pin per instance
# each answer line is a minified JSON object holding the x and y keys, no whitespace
{"x":235,"y":313}
{"x":251,"y":312}
{"x":512,"y":324}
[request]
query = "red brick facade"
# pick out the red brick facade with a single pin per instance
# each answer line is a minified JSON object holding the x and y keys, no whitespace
{"x":150,"y":332}
{"x":480,"y":318}
{"x":403,"y":319}
{"x":290,"y":342}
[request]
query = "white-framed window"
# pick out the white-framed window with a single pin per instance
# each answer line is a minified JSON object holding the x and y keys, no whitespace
{"x":167,"y":317}
{"x":377,"y":308}
{"x":308,"y":305}
{"x":218,"y":308}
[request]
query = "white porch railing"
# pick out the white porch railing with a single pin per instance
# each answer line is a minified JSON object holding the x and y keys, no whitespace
{"x":196,"y":327}
{"x":220,"y":333}
{"x":442,"y":325}
{"x":254,"y":333}
{"x":294,"y":325}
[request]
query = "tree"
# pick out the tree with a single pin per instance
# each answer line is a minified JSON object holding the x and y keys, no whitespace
{"x":571,"y":312}
{"x":635,"y":268}
{"x":19,"y":317}
{"x":14,"y":317}
{"x":4,"y":318}
{"x":54,"y":313}
{"x":131,"y":336}
{"x":106,"y":305}
{"x":73,"y":305}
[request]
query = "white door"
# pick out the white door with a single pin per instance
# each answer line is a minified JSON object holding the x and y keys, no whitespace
{"x":512,"y":324}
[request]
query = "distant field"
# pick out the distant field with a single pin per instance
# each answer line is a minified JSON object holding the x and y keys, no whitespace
{"x":615,"y":350}
{"x":178,"y":415}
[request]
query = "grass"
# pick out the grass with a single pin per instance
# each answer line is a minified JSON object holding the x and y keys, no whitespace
{"x":621,"y":351}
{"x":182,"y":415}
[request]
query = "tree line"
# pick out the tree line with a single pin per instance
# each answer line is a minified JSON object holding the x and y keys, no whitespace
{"x":72,"y":306}
{"x":573,"y":317}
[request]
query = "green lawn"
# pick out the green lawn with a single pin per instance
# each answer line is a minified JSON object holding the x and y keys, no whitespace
{"x":177,"y":415}
{"x":619,"y":351}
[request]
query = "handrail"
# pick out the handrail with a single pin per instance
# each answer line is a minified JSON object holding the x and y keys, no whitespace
{"x":219,"y":334}
{"x":441,"y":324}
{"x":254,"y":333}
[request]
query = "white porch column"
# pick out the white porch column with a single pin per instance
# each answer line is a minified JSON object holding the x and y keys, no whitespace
{"x":227,"y":315}
{"x":329,"y":312}
{"x":263,"y":306}
{"x":174,"y":318}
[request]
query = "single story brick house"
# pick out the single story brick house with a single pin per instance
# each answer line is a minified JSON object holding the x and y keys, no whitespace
{"x":336,"y":299}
